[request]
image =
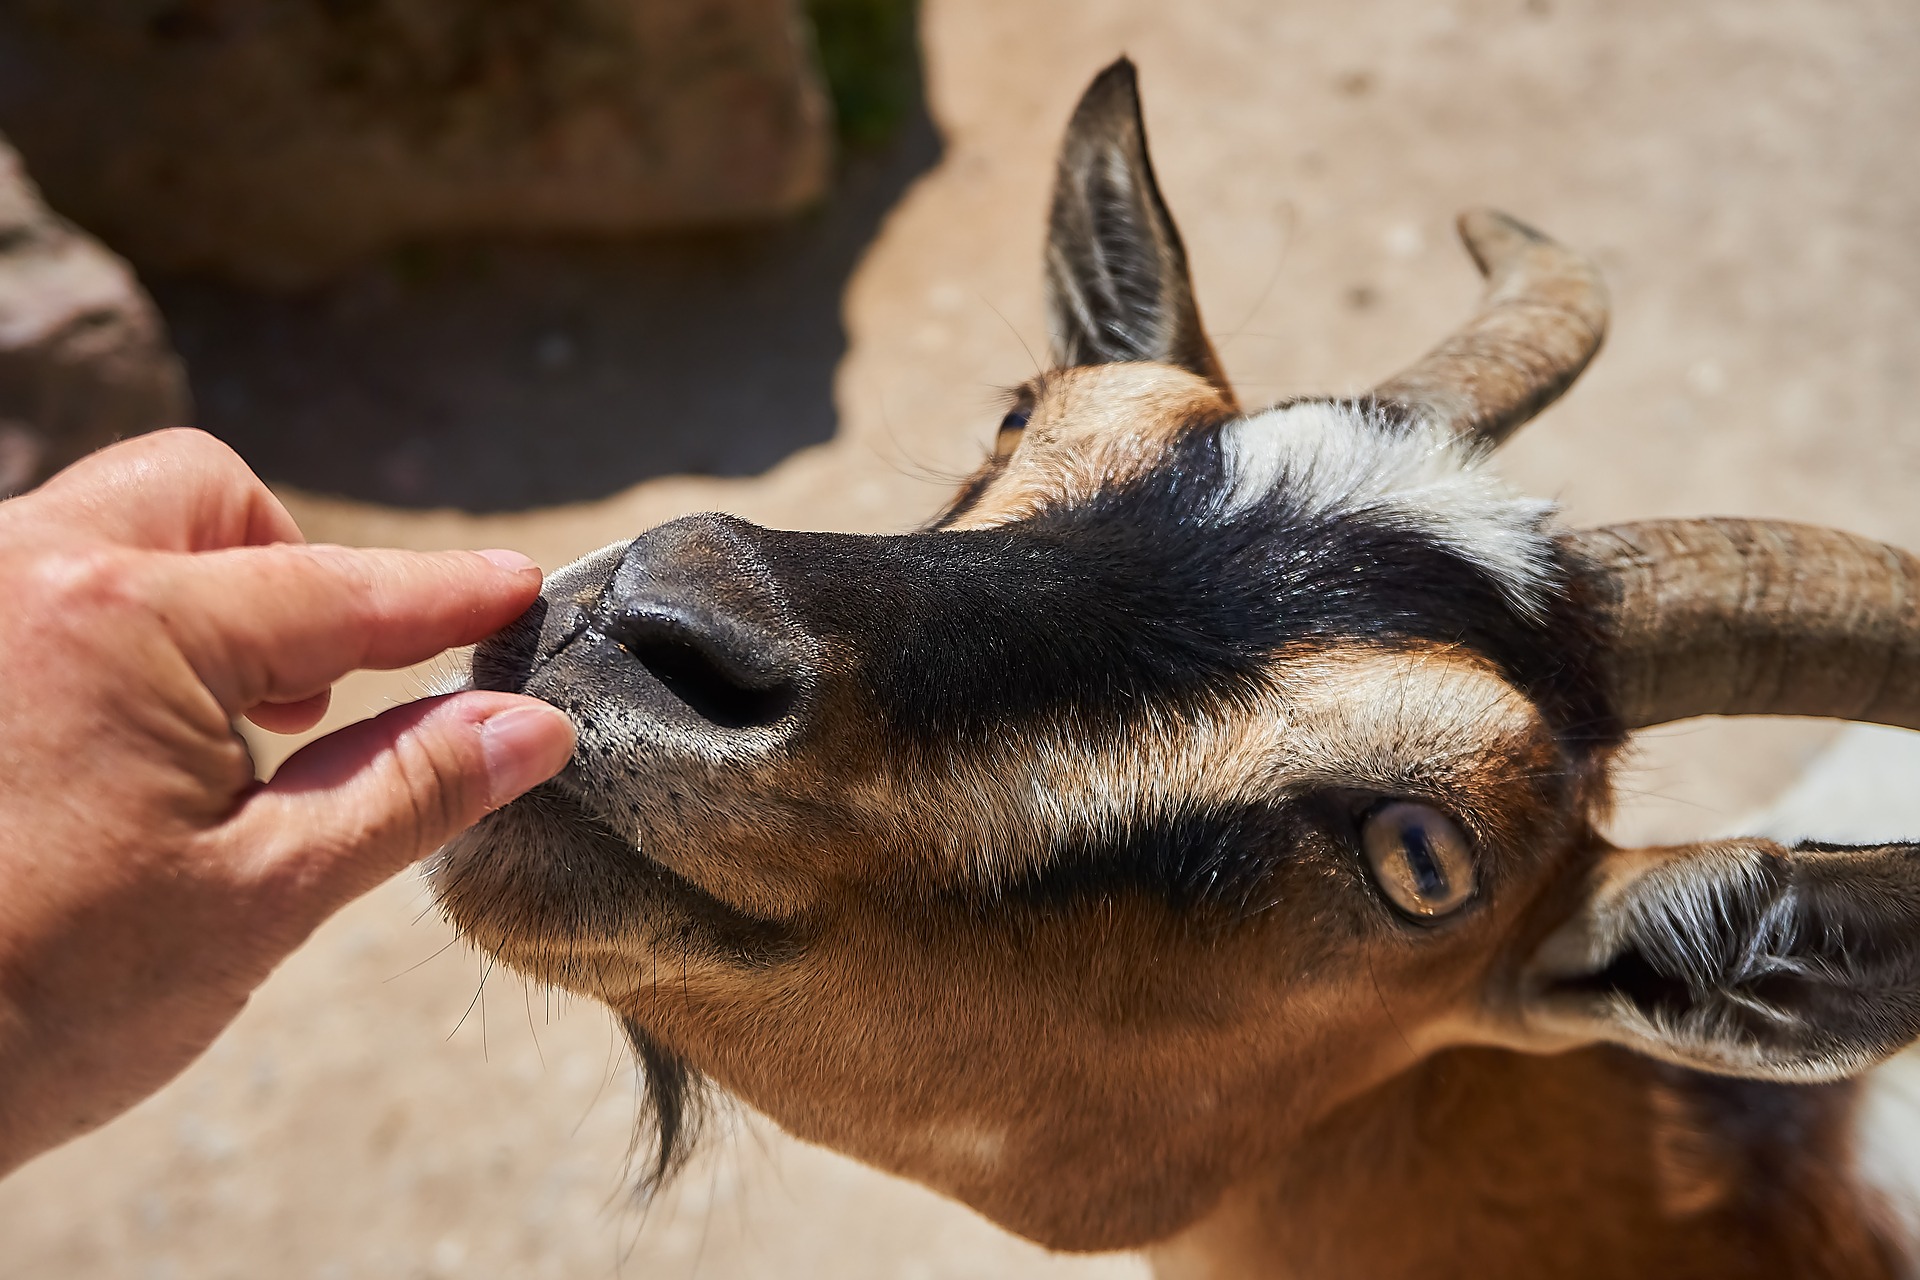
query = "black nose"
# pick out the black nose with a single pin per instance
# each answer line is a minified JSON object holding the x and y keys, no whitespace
{"x":694,"y":603}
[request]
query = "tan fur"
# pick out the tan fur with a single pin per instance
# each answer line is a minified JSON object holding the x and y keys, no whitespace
{"x":1092,"y":427}
{"x":1110,"y":1074}
{"x":1209,"y":1049}
{"x":1389,"y":720}
{"x":1291,"y":1094}
{"x":1304,"y":1083}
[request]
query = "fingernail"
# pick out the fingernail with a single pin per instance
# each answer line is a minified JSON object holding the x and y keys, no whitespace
{"x":524,"y":746}
{"x":511,"y":561}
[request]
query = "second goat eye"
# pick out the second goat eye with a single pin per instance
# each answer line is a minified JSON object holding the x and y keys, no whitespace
{"x":1010,"y":428}
{"x":1420,"y":857}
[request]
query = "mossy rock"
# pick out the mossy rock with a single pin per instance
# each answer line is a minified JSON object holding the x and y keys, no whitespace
{"x":870,"y":56}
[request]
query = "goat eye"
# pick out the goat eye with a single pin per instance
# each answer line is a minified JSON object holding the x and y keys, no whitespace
{"x":1010,"y":428}
{"x":1420,"y":857}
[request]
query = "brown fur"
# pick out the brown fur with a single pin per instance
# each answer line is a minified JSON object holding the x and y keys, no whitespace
{"x":1481,"y":1163}
{"x":1173,"y":1064}
{"x":1091,"y":427}
{"x":1307,"y":1084}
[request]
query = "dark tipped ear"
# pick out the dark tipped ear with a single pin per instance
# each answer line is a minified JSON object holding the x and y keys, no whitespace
{"x":1742,"y":957}
{"x":1117,"y":283}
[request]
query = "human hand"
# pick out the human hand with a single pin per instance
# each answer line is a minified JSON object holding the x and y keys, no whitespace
{"x":152,"y":594}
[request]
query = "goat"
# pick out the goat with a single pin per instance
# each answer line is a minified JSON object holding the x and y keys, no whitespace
{"x":1189,"y":840}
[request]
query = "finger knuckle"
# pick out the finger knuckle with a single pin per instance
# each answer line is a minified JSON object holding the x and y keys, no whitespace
{"x":438,"y":791}
{"x":196,"y":448}
{"x":86,"y":582}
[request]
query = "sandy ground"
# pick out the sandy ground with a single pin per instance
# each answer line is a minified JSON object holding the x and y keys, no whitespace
{"x":1741,"y":168}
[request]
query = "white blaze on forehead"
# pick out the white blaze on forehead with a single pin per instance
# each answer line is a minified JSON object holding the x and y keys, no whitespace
{"x":1331,"y":460}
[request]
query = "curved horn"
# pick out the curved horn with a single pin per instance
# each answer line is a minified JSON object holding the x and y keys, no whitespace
{"x":1543,"y":317}
{"x":1754,"y":617}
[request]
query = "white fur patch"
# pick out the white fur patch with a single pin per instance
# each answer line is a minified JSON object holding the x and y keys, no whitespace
{"x":1340,"y":460}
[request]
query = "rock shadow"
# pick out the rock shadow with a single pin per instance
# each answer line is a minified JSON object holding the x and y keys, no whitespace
{"x":500,"y":375}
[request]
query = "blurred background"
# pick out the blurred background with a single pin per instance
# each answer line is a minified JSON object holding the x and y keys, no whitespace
{"x":544,"y":274}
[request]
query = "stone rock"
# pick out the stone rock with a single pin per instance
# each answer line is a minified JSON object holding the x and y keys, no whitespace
{"x":84,"y":359}
{"x":278,"y":141}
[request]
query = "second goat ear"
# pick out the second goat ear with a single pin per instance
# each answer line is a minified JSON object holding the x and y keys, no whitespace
{"x":1742,"y":957}
{"x":1117,"y":282}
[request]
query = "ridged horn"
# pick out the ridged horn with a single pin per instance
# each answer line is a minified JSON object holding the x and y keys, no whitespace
{"x":1754,"y":617}
{"x":1542,"y":318}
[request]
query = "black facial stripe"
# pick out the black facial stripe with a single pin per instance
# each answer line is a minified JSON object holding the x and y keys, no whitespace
{"x":1216,"y":856}
{"x":1142,"y":595}
{"x":971,"y":492}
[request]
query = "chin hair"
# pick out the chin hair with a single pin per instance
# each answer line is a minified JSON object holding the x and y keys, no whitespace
{"x":674,"y":1108}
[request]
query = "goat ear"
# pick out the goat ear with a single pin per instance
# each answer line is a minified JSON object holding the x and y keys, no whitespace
{"x":1742,"y":957}
{"x":1117,"y":282}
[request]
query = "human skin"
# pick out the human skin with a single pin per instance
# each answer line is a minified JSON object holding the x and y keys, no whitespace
{"x":149,"y":596}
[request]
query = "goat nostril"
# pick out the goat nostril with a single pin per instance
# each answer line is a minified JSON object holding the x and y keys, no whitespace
{"x":725,"y":673}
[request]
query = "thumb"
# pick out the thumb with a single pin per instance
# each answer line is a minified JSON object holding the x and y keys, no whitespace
{"x":345,"y":812}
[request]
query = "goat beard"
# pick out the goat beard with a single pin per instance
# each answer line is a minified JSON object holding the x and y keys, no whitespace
{"x":504,"y":888}
{"x":674,"y":1108}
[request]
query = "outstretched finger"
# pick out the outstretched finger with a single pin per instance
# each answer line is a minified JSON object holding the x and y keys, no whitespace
{"x":178,"y":490}
{"x":345,"y":812}
{"x":280,"y":624}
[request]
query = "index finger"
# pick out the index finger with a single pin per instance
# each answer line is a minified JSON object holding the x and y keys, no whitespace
{"x":179,"y":490}
{"x":280,"y":624}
